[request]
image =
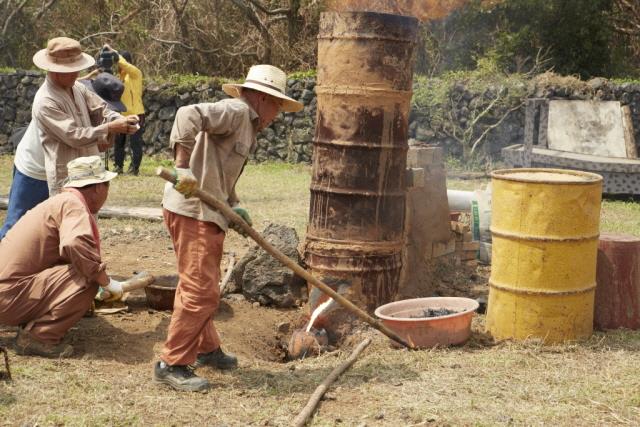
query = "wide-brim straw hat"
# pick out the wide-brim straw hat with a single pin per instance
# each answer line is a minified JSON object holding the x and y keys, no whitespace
{"x":63,"y":55}
{"x":85,"y":171}
{"x":267,"y":79}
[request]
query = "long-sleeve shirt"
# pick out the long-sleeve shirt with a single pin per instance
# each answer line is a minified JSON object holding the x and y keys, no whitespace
{"x":69,"y":127}
{"x":131,"y":77}
{"x":220,"y":137}
{"x":29,"y":158}
{"x":56,"y":232}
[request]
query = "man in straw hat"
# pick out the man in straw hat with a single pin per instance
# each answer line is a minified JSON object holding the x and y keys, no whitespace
{"x":211,"y":143}
{"x":50,"y":267}
{"x":29,"y":185}
{"x":71,"y":119}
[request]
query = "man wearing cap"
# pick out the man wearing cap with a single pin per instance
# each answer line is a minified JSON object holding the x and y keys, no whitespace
{"x":72,"y":121}
{"x":29,"y":186}
{"x":50,"y":267}
{"x":211,"y":143}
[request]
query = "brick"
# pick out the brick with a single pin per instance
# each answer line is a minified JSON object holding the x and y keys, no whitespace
{"x":442,"y":249}
{"x":471,"y":246}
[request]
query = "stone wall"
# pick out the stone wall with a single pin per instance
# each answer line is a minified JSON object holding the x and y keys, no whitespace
{"x":289,"y":138}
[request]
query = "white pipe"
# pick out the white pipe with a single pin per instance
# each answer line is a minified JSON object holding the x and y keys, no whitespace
{"x":460,"y":201}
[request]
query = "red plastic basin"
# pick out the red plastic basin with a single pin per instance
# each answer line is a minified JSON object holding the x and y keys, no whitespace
{"x":402,"y":317}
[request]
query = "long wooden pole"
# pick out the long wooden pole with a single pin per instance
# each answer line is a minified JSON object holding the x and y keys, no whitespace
{"x":226,"y":210}
{"x":315,"y":398}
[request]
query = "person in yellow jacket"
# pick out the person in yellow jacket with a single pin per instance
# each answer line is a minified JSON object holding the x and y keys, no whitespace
{"x":131,"y":76}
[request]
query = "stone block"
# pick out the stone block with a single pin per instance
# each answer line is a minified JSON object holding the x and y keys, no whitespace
{"x":587,"y":127}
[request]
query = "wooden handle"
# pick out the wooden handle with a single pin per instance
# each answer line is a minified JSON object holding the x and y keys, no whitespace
{"x":226,"y":210}
{"x":139,"y":281}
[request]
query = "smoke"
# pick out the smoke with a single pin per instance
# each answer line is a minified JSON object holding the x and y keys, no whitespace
{"x":424,"y":10}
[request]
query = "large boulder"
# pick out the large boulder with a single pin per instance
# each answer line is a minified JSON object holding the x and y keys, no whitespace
{"x":260,"y":277}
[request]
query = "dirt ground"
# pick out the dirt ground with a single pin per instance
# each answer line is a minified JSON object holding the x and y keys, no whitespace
{"x":108,"y":381}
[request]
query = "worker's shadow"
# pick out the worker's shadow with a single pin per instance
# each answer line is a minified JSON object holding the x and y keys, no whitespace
{"x":109,"y":337}
{"x":305,"y":379}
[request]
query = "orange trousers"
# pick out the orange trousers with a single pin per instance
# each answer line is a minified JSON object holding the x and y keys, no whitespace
{"x":198,"y":247}
{"x":47,"y":304}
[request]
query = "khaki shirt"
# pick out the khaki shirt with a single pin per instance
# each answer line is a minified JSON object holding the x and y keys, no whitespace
{"x":56,"y":232}
{"x":221,"y":136}
{"x":68,"y":127}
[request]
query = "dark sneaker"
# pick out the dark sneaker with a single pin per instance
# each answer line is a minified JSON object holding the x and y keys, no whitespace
{"x":179,"y":377}
{"x":118,"y":170}
{"x":217,"y":359}
{"x":26,"y":345}
{"x":133,"y":171}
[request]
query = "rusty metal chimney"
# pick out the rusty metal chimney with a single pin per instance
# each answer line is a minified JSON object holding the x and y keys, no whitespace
{"x":356,"y":219}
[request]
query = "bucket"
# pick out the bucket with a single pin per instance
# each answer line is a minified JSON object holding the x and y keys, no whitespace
{"x":545,"y":226}
{"x":406,"y":318}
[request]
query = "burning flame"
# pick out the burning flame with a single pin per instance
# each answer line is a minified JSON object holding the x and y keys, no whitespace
{"x":422,"y":9}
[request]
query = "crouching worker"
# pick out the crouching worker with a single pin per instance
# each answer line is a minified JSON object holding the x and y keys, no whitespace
{"x":50,"y":264}
{"x":211,"y":143}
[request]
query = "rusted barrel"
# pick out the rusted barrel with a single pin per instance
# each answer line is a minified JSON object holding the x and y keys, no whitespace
{"x":545,"y":227}
{"x":365,"y":73}
{"x":618,"y":290}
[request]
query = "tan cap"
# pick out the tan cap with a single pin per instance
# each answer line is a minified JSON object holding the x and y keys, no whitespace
{"x":85,"y":171}
{"x":268,"y":79}
{"x":63,"y":55}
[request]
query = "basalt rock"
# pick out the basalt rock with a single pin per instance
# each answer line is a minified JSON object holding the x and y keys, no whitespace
{"x":261,"y":278}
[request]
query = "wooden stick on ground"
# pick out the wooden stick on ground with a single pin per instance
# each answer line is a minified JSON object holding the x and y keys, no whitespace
{"x":315,"y":398}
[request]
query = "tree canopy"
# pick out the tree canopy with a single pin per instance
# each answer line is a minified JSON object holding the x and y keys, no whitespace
{"x":224,"y":37}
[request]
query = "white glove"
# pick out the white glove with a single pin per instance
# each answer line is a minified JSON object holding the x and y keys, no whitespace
{"x":113,"y":291}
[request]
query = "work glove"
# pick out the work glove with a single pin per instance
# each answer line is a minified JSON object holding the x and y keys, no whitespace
{"x":244,"y":214}
{"x":186,"y":183}
{"x":111,"y":292}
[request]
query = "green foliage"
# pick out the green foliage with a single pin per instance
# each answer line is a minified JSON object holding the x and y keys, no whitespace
{"x":303,"y":74}
{"x":570,"y":37}
{"x":434,"y":96}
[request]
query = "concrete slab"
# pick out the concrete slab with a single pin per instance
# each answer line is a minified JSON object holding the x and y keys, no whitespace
{"x":587,"y":127}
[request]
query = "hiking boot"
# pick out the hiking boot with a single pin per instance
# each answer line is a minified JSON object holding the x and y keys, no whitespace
{"x":217,"y":359}
{"x":179,"y":377}
{"x":133,"y":171}
{"x":118,"y":170}
{"x":27,"y":345}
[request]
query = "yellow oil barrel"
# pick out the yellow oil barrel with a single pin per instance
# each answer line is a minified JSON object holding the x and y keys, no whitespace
{"x":545,"y":227}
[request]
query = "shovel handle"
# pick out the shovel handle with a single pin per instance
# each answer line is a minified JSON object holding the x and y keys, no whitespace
{"x":226,"y":210}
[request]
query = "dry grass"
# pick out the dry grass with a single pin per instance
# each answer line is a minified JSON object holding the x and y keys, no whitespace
{"x":589,"y":383}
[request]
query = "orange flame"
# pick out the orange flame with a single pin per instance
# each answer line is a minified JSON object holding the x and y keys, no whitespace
{"x":422,"y":9}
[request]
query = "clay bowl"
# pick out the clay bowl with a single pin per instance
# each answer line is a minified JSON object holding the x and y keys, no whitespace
{"x":303,"y":343}
{"x":161,"y":294}
{"x":406,"y":318}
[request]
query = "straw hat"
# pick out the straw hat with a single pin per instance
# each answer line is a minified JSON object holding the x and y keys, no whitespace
{"x":267,"y":79}
{"x":85,"y":171}
{"x":63,"y":55}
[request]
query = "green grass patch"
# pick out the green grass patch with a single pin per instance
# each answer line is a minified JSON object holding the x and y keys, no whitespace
{"x":303,"y":74}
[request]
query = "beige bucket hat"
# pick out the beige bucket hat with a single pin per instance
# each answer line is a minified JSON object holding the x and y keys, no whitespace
{"x":268,"y":79}
{"x":63,"y":55}
{"x":85,"y":171}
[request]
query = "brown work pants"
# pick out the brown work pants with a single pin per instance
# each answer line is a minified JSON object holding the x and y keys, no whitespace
{"x":47,"y":304}
{"x":198,"y":247}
